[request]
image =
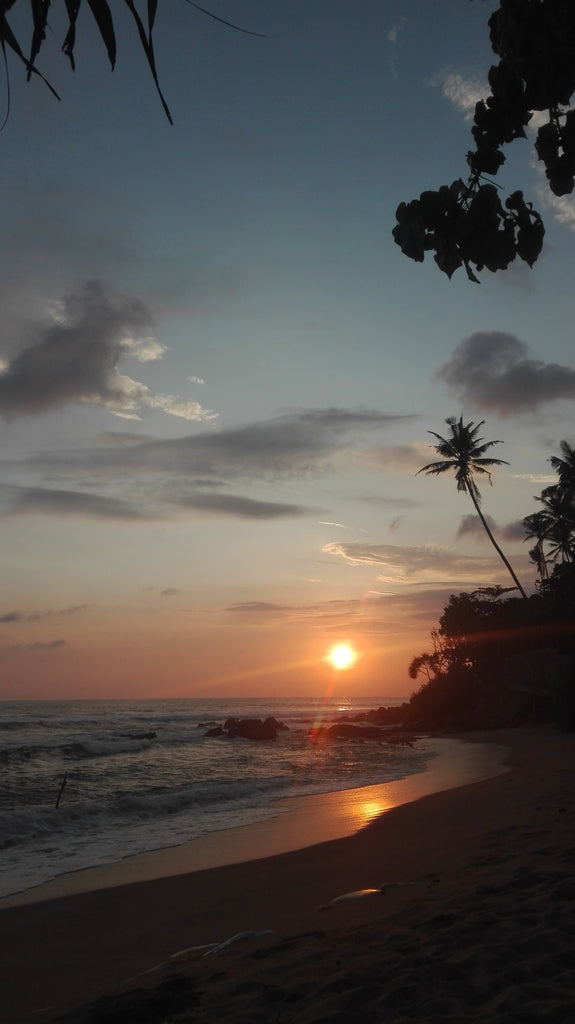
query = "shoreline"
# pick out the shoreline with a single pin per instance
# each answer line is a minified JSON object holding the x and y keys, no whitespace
{"x":477,"y":922}
{"x":296,"y":823}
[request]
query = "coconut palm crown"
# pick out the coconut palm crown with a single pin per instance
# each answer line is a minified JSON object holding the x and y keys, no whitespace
{"x":464,"y":453}
{"x":565,"y":469}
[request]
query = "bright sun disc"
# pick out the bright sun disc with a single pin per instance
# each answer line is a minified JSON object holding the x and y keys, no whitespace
{"x":341,"y":656}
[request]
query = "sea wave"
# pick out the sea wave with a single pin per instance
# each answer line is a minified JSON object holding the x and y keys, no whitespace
{"x":128,"y":791}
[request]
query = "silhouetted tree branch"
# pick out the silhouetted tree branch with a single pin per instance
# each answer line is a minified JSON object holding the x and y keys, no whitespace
{"x":466,"y":223}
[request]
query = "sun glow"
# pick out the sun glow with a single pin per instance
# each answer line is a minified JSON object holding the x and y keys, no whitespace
{"x":341,"y":656}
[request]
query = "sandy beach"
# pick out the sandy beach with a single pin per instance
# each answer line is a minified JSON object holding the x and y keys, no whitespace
{"x":475,"y":921}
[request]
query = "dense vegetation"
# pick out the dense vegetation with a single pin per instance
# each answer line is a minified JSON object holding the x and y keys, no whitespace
{"x":499,"y":659}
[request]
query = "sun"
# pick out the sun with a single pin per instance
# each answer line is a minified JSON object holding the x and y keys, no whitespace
{"x":341,"y":656}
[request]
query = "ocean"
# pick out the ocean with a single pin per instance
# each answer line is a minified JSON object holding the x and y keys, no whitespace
{"x":143,"y":775}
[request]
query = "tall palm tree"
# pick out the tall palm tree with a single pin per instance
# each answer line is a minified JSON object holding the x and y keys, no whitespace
{"x":464,"y":453}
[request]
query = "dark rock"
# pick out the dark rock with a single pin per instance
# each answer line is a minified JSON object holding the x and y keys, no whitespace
{"x":216,"y":731}
{"x":380,"y":716}
{"x":347,"y":730}
{"x":280,"y":726}
{"x":254,"y":728}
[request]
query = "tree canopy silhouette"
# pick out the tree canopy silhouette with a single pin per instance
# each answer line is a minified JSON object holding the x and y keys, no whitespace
{"x":466,"y":223}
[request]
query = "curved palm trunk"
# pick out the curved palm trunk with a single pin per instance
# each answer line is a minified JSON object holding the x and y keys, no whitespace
{"x":495,"y":544}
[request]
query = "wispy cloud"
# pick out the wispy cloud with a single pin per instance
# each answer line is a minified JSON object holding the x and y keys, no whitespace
{"x":401,"y":458}
{"x":38,"y":646}
{"x":562,"y":207}
{"x":259,"y":608}
{"x":491,"y":370}
{"x":393,"y":503}
{"x":536,"y":478}
{"x":48,"y":645}
{"x":462,"y":91}
{"x":289,"y":445}
{"x":418,"y":564}
{"x":8,"y":618}
{"x":74,"y":355}
{"x":393,"y":34}
{"x":396,"y":28}
{"x":140,"y":479}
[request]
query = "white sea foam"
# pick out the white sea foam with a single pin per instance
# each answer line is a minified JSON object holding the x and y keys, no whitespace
{"x":127,"y":791}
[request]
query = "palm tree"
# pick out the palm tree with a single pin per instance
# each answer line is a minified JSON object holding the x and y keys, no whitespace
{"x":464,"y":452}
{"x":565,"y":469}
{"x":536,"y":528}
{"x":558,"y":516}
{"x":554,"y":525}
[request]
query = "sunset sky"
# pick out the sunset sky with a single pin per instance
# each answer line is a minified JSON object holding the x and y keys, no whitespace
{"x":218,"y":371}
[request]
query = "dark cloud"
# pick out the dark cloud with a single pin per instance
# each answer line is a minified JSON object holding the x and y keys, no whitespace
{"x":11,"y":617}
{"x":293,"y":444}
{"x":491,"y":370}
{"x":147,"y":479}
{"x":43,"y":501}
{"x":513,"y":531}
{"x":244,"y":508}
{"x":74,"y":355}
{"x":40,"y":500}
{"x":396,"y":523}
{"x":169,"y":592}
{"x":471,"y":526}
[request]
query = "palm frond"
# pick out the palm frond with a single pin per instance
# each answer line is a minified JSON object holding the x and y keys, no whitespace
{"x":104,"y":19}
{"x":434,"y":468}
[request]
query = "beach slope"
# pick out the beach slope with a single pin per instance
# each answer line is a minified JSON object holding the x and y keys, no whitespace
{"x":475,"y":920}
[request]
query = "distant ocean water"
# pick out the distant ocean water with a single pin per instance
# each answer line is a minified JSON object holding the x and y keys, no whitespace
{"x":127,"y":792}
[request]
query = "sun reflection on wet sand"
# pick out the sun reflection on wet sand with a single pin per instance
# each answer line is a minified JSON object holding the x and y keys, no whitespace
{"x":369,"y":809}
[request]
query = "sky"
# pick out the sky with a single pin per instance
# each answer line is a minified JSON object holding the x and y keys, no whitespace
{"x":218,"y":371}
